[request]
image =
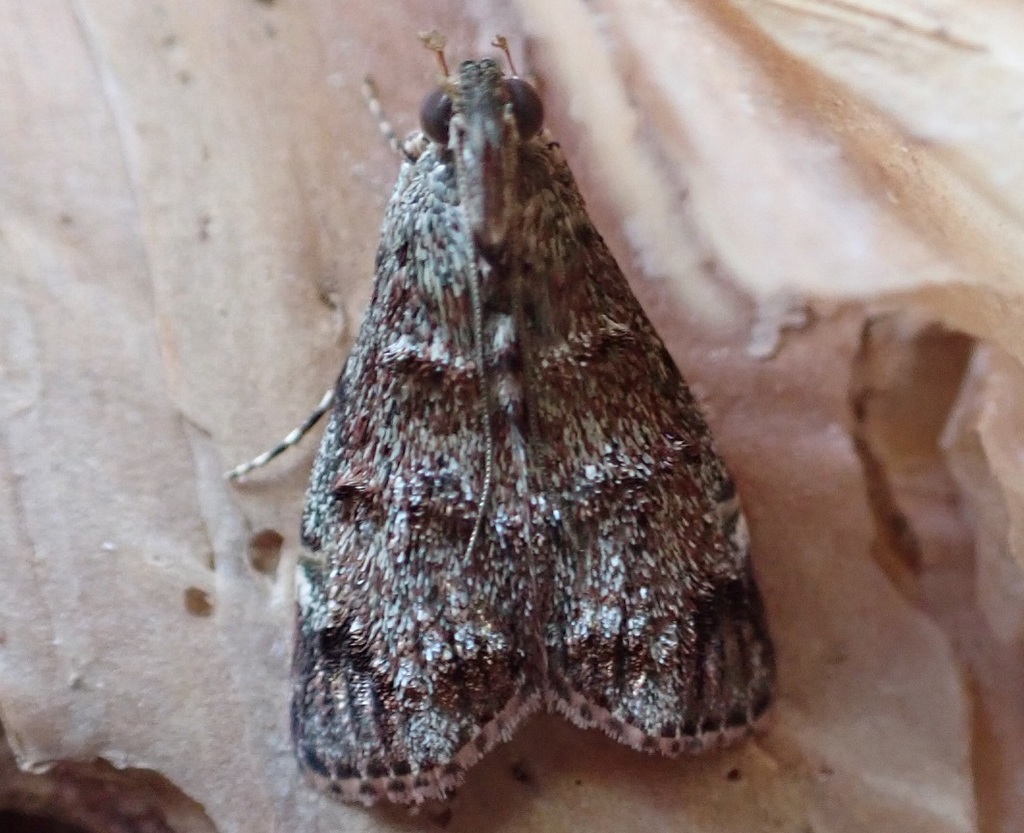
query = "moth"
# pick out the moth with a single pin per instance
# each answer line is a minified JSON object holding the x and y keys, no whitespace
{"x":517,"y":504}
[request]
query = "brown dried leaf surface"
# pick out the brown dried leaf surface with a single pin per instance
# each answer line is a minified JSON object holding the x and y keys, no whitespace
{"x":190,"y":207}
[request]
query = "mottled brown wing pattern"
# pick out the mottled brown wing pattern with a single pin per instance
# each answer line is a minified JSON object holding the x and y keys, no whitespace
{"x":656,"y":631}
{"x":516,"y":502}
{"x":414,"y":656}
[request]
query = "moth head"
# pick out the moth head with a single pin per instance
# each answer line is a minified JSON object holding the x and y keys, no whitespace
{"x":518,"y":96}
{"x":482,"y":117}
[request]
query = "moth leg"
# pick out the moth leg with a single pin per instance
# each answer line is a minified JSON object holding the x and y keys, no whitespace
{"x":294,"y":437}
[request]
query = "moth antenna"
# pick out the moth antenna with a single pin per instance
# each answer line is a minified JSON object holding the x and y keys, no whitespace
{"x":501,"y":42}
{"x":478,"y":337}
{"x":435,"y":42}
{"x":377,"y":111}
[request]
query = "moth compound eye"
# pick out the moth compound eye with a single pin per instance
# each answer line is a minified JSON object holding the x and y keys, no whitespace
{"x":436,"y":114}
{"x":526,"y":107}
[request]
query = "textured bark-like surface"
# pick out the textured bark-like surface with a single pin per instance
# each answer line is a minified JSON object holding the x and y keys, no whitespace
{"x":190,"y":208}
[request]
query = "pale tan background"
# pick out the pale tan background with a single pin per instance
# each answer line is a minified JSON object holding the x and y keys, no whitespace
{"x":819,"y":203}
